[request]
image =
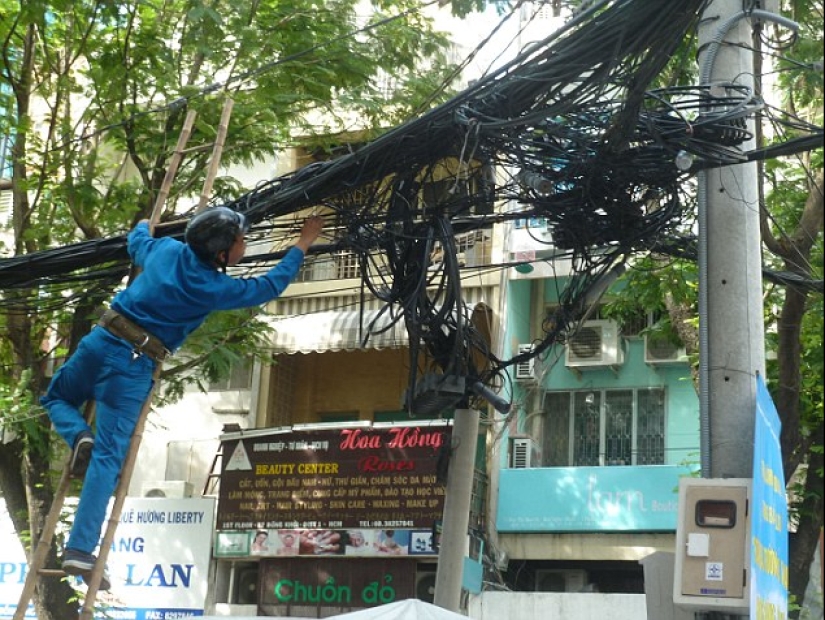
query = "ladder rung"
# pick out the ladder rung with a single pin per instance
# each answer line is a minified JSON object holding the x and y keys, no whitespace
{"x":196,"y":149}
{"x":52,"y":572}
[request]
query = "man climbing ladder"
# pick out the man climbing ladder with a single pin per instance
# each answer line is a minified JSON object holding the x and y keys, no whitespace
{"x":117,"y":363}
{"x":179,"y":285}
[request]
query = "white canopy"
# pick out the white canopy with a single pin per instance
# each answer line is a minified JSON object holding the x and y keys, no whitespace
{"x":408,"y":609}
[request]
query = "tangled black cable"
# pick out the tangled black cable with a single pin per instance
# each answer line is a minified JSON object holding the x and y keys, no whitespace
{"x":570,"y":131}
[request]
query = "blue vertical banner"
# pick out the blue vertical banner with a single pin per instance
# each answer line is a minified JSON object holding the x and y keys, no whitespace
{"x":769,"y":514}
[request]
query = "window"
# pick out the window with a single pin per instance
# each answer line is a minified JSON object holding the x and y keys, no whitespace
{"x":316,"y":269}
{"x":239,"y":378}
{"x":460,"y":194}
{"x":472,"y":249}
{"x":347,"y":266}
{"x":604,"y":428}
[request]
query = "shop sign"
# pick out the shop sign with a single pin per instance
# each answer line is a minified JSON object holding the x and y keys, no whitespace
{"x":340,"y":585}
{"x":334,"y":479}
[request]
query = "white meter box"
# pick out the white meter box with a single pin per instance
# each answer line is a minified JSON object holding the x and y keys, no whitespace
{"x":713,"y":544}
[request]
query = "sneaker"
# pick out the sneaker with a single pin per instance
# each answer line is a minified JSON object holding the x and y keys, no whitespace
{"x":105,"y":582}
{"x":81,"y":454}
{"x":82,"y":564}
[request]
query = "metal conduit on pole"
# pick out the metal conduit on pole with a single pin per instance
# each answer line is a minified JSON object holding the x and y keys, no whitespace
{"x":730,"y":261}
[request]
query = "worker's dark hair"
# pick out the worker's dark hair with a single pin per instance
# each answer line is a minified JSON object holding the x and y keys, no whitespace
{"x":214,"y":231}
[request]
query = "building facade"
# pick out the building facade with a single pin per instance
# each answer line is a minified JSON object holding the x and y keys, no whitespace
{"x":584,"y":472}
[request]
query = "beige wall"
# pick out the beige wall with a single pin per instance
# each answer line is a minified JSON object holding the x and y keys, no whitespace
{"x":345,"y":381}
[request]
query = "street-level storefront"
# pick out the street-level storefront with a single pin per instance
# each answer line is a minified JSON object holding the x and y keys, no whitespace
{"x":317,"y":521}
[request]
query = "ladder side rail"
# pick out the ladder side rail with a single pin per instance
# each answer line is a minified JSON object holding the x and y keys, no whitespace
{"x":39,"y":553}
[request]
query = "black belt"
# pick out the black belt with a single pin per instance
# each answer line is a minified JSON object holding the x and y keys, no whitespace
{"x":143,"y":342}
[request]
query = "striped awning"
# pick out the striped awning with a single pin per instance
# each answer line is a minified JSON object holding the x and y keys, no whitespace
{"x":346,"y":330}
{"x":354,"y":330}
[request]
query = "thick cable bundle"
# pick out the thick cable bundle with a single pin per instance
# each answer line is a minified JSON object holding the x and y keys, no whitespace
{"x":569,"y":131}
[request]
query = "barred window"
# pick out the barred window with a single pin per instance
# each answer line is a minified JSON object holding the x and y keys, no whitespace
{"x":604,"y":428}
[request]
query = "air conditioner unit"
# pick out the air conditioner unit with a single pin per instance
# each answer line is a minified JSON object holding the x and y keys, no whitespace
{"x":561,"y":580}
{"x":167,"y":488}
{"x":525,"y":371}
{"x":595,"y":344}
{"x":662,"y":350}
{"x":425,"y":586}
{"x":521,"y":452}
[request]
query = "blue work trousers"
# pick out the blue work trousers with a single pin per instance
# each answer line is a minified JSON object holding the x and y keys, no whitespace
{"x":103,"y":368}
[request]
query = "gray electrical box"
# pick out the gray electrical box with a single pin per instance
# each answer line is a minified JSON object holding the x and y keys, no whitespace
{"x":713,"y":545}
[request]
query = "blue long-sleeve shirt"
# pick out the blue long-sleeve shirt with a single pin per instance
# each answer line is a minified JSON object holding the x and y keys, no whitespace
{"x":176,"y":290}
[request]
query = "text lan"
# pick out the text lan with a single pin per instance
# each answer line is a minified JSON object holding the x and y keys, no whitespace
{"x":171,"y":576}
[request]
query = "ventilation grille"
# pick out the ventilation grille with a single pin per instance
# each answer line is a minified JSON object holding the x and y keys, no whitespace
{"x":525,"y":371}
{"x":521,"y":453}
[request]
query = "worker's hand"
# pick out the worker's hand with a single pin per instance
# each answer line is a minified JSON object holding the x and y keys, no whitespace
{"x":309,"y":232}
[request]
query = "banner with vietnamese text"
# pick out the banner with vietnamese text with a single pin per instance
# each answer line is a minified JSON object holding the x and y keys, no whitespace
{"x":769,"y":526}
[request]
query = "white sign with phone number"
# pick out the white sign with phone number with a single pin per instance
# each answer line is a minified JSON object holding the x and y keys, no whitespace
{"x":158,"y":563}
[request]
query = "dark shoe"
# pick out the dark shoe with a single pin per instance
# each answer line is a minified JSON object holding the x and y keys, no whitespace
{"x":81,"y":454}
{"x":105,"y":582}
{"x":82,"y":564}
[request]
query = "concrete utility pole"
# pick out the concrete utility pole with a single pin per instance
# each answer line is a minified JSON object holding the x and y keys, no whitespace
{"x":732,"y":336}
{"x":453,"y":548}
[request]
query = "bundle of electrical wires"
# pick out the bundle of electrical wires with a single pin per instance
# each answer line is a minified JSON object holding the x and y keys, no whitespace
{"x":570,"y":132}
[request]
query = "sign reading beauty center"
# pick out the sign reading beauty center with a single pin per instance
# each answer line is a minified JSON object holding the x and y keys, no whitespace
{"x":365,"y":477}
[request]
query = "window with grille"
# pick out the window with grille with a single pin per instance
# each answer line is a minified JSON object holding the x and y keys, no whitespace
{"x":385,"y":83}
{"x":472,"y":249}
{"x":346,"y":264}
{"x":604,"y":428}
{"x":467,"y":194}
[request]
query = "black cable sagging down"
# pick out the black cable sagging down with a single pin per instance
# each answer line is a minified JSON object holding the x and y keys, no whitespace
{"x":569,"y":131}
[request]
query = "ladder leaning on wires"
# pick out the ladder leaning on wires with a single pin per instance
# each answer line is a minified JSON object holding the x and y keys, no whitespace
{"x":39,"y":553}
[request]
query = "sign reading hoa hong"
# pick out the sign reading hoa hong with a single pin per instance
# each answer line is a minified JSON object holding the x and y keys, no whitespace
{"x":365,"y":477}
